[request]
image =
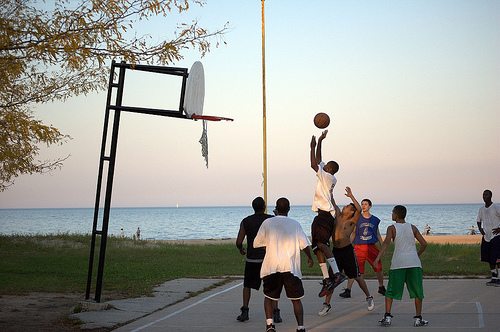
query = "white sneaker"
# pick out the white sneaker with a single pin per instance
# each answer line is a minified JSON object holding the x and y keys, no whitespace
{"x":419,"y":321}
{"x":371,"y":303}
{"x":325,"y":310}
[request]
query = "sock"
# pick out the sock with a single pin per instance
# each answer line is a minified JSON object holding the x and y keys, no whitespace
{"x":333,"y":264}
{"x":324,"y":270}
{"x":494,"y":274}
{"x":300,"y":327}
{"x":269,"y":321}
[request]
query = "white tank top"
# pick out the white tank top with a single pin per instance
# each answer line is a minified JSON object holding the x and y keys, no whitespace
{"x":405,"y":252}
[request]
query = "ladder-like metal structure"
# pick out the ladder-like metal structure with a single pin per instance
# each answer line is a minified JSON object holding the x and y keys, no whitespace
{"x":116,"y":107}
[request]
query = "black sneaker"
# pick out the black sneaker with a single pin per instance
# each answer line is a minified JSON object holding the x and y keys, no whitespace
{"x":270,"y":328}
{"x":381,"y":290}
{"x":346,"y":294}
{"x":244,"y":314}
{"x":301,"y":330}
{"x":327,"y":287}
{"x":339,"y":278}
{"x":386,"y":320}
{"x":276,"y":316}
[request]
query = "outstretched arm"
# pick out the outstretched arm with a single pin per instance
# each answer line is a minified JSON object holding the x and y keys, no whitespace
{"x":319,"y":157}
{"x":357,"y":213}
{"x":314,"y":162}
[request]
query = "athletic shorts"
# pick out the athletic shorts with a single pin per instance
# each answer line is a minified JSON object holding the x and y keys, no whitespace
{"x":252,"y":275}
{"x":490,"y":251}
{"x":412,"y":277}
{"x":367,"y":253}
{"x":273,"y":284}
{"x":346,"y":261}
{"x":322,"y":229}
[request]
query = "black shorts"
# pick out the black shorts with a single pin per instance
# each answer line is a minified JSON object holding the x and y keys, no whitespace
{"x":252,"y":275}
{"x":273,"y":284}
{"x":346,"y":261}
{"x":322,"y":229}
{"x":490,"y":251}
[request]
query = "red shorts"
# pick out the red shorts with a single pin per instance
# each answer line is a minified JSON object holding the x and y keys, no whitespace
{"x":367,"y":252}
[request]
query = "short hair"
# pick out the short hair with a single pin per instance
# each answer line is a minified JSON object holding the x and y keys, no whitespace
{"x":258,"y":204}
{"x":367,"y":201}
{"x":487,"y":191}
{"x":282,"y":205}
{"x":335,"y":166}
{"x":400,"y":211}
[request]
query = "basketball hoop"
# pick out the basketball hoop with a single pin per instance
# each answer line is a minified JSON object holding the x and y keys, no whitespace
{"x":194,"y":98}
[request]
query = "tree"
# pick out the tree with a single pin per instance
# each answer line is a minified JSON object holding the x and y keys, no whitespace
{"x":57,"y":51}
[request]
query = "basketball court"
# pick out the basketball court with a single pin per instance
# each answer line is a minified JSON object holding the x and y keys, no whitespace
{"x":450,"y":304}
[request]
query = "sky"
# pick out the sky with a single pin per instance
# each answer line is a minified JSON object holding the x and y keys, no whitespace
{"x":411,"y":87}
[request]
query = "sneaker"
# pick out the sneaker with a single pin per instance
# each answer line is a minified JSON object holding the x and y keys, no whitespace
{"x":270,"y":328}
{"x":327,"y":287}
{"x":244,"y":314}
{"x":301,"y":330}
{"x":339,"y":278}
{"x":381,"y":290}
{"x":419,"y":321}
{"x":371,"y":303}
{"x":497,"y":283}
{"x":276,"y":316}
{"x":346,"y":293}
{"x":492,"y":282}
{"x":387,"y":320}
{"x":325,"y":310}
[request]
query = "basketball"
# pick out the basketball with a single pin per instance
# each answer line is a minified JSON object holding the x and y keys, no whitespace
{"x":321,"y":120}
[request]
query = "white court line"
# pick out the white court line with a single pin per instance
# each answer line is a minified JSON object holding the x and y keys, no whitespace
{"x":186,"y":308}
{"x":480,"y":316}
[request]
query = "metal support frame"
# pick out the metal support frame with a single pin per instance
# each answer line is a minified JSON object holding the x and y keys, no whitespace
{"x":117,"y":107}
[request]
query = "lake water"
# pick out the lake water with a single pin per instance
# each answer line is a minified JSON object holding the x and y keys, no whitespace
{"x":211,"y":222}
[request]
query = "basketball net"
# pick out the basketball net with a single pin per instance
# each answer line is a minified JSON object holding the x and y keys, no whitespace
{"x":204,"y":142}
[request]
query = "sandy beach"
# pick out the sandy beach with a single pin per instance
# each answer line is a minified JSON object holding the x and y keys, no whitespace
{"x":440,"y":239}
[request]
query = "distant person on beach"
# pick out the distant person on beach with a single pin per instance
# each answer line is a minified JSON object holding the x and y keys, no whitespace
{"x":472,"y":230}
{"x":343,"y":249}
{"x":488,"y":223}
{"x":249,"y":227}
{"x":427,"y":229}
{"x":406,"y":267}
{"x":284,"y":239}
{"x":138,"y":234}
{"x":323,"y":224}
{"x":122,"y":233}
{"x":366,"y":237}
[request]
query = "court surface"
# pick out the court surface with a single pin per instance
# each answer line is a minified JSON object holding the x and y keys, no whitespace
{"x":449,"y":305}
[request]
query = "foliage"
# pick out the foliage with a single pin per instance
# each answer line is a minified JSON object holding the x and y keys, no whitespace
{"x":54,"y":51}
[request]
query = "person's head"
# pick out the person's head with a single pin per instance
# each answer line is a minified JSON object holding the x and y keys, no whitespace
{"x":398,"y":212}
{"x":487,"y":195}
{"x":331,"y":167}
{"x":282,"y":206}
{"x":259,"y":205}
{"x":366,"y":205}
{"x":349,"y":210}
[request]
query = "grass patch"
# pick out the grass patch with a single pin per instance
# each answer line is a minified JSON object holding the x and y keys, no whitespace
{"x":59,"y":263}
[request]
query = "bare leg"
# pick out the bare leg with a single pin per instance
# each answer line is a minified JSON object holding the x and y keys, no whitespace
{"x":298,"y":310}
{"x":380,"y":278}
{"x":388,"y":304}
{"x":350,"y":282}
{"x":418,"y":307}
{"x":362,"y":284}
{"x":268,"y":307}
{"x":246,"y":296}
